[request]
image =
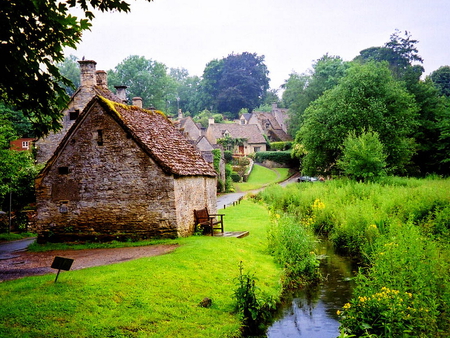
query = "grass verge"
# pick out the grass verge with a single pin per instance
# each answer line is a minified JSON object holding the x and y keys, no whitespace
{"x":13,"y":236}
{"x":261,"y":177}
{"x":148,"y":297}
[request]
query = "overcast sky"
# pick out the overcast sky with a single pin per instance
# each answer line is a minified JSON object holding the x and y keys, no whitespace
{"x":291,"y":34}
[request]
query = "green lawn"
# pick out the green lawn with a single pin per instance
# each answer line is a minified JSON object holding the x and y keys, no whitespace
{"x":261,"y":177}
{"x":148,"y":297}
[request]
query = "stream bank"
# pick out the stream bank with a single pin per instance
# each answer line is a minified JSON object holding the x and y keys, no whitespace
{"x":312,"y":311}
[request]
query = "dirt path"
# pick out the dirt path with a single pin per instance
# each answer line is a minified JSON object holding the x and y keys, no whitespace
{"x":25,"y":264}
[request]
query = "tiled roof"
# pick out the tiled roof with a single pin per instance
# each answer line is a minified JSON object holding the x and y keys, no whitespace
{"x":250,"y":132}
{"x":160,"y":139}
{"x":106,"y":93}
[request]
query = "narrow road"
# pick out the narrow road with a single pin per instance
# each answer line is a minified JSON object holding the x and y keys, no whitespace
{"x":8,"y":249}
{"x":227,"y":199}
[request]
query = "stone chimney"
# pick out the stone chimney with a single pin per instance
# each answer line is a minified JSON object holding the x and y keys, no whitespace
{"x":87,"y":76}
{"x":102,"y":78}
{"x":274,"y":106}
{"x":210,"y":121}
{"x":121,"y":93}
{"x":180,"y":114}
{"x":137,"y":101}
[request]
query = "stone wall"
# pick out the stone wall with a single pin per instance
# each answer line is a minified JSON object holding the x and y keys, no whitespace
{"x":104,"y":186}
{"x":193,"y":193}
{"x":46,"y":146}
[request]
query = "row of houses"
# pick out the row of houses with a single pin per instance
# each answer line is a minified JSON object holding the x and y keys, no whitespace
{"x":255,"y":129}
{"x":119,"y":171}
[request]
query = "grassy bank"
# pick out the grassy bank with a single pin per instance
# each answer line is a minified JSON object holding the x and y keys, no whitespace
{"x":261,"y":177}
{"x":400,"y":230}
{"x":148,"y":297}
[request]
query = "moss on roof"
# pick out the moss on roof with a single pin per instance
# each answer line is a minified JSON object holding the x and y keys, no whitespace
{"x":160,"y":139}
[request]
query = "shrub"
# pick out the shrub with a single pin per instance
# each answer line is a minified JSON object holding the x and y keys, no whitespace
{"x":235,"y":177}
{"x":293,"y":248}
{"x":275,"y":156}
{"x":253,"y":307}
{"x":406,"y":291}
{"x":281,"y":146}
{"x":228,"y":155}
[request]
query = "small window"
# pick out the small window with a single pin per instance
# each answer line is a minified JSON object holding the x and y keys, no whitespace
{"x":100,"y":137}
{"x":63,"y":170}
{"x":73,"y":115}
{"x":25,"y":145}
{"x":257,"y":149}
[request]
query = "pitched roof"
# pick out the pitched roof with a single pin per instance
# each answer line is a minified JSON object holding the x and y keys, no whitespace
{"x":155,"y":134}
{"x":250,"y":132}
{"x":158,"y":136}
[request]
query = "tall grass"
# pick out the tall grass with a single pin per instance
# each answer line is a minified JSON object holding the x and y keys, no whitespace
{"x":400,"y":230}
{"x":149,"y":297}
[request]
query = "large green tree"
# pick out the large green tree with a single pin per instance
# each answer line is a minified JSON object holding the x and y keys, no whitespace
{"x":366,"y":98}
{"x":188,"y":91}
{"x":302,"y":89}
{"x":33,"y":34}
{"x":144,"y":78}
{"x":400,"y":52}
{"x":17,"y":169}
{"x":235,"y":82}
{"x":441,"y":79}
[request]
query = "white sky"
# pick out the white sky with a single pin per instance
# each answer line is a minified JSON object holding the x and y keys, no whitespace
{"x":291,"y":34}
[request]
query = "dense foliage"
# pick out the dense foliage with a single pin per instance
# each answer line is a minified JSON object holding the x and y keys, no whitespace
{"x":144,"y":78}
{"x":235,"y":82}
{"x":367,"y":97}
{"x":17,"y":169}
{"x":33,"y":35}
{"x":380,"y":90}
{"x":399,"y":230}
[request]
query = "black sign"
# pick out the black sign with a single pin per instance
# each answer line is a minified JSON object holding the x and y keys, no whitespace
{"x":61,"y":263}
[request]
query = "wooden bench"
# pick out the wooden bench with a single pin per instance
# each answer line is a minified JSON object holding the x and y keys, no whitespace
{"x":208,"y":222}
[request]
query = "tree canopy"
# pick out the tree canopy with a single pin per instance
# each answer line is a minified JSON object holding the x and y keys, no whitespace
{"x":366,"y":98}
{"x":441,"y":79}
{"x":235,"y":82}
{"x":302,"y":89}
{"x":32,"y":37}
{"x":144,"y":78}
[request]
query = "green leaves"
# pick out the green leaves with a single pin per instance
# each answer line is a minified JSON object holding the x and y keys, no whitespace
{"x":363,"y":157}
{"x":367,"y":97}
{"x":33,"y":34}
{"x":235,"y":82}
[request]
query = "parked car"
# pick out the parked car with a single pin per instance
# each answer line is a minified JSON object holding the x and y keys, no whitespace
{"x":307,"y":179}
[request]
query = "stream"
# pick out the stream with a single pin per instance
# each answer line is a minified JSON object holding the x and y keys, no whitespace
{"x":312,"y":311}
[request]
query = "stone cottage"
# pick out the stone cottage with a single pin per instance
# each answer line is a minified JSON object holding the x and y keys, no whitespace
{"x":122,"y":172}
{"x":254,"y":140}
{"x":92,"y":82}
{"x":273,"y":124}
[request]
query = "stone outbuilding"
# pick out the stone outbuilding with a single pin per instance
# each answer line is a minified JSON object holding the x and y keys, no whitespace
{"x":92,"y":82}
{"x":122,"y":172}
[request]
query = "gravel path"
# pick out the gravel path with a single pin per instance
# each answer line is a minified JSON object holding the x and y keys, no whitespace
{"x":25,"y":264}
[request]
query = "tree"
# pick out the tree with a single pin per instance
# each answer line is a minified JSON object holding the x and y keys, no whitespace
{"x":70,"y":69}
{"x":188,"y":91}
{"x":32,"y":37}
{"x":302,"y":89}
{"x":363,"y":157}
{"x":17,"y":170}
{"x":235,"y":82}
{"x":441,"y":79}
{"x":366,"y":98}
{"x":144,"y":78}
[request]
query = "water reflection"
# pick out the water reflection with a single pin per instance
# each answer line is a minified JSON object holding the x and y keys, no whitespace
{"x":312,"y":311}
